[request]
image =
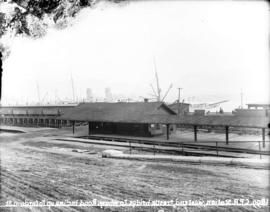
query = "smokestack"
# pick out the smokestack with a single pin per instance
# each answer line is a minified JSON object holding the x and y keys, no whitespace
{"x":89,"y":95}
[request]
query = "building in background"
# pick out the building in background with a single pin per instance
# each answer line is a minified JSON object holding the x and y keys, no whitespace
{"x":184,"y":108}
{"x":108,"y":95}
{"x":89,"y":95}
{"x":35,"y":115}
{"x":254,"y":110}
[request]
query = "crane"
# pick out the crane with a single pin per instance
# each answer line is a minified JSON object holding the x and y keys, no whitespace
{"x":157,"y":93}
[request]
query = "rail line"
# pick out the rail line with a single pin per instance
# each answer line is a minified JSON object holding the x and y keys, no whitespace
{"x":170,"y":147}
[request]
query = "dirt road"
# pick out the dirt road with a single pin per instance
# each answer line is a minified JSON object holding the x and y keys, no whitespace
{"x":36,"y":167}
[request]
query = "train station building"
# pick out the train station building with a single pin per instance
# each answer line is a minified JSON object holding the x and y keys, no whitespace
{"x":124,"y":118}
{"x":144,"y":119}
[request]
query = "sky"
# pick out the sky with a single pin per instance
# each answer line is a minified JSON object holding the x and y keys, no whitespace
{"x":211,"y":49}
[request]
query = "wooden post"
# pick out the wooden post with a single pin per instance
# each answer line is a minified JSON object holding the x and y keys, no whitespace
{"x":88,"y":128}
{"x":263,"y":137}
{"x":260,"y":150}
{"x":129,"y":147}
{"x":168,"y":131}
{"x":227,"y":134}
{"x":73,"y":127}
{"x":195,"y":132}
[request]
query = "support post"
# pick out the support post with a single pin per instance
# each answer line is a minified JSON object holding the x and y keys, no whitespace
{"x":88,"y":128}
{"x":227,"y":134}
{"x":168,"y":131}
{"x":263,"y":137}
{"x":195,"y":132}
{"x":260,"y":149}
{"x":73,"y":127}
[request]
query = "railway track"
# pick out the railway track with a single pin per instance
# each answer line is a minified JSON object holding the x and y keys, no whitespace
{"x":196,"y":145}
{"x":169,"y":147}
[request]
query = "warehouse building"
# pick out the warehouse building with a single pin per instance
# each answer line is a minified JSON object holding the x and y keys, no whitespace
{"x":254,"y":110}
{"x":181,"y":108}
{"x":34,"y":116}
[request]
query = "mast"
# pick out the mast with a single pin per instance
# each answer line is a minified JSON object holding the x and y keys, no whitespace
{"x":171,"y":85}
{"x":157,"y":81}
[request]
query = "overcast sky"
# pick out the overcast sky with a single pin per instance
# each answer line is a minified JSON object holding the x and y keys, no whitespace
{"x":210,"y":49}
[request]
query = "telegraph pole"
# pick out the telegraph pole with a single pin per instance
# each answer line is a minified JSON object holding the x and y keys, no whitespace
{"x":179,"y":90}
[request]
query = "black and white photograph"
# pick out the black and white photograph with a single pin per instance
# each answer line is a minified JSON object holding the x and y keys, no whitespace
{"x":134,"y":105}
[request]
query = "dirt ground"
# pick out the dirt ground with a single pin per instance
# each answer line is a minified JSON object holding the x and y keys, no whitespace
{"x":34,"y":166}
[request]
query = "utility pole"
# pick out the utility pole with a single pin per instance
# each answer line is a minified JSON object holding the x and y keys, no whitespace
{"x":179,"y":90}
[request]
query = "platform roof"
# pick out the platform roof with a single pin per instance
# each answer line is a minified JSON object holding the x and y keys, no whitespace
{"x":128,"y":112}
{"x":221,"y":121}
{"x":226,"y":120}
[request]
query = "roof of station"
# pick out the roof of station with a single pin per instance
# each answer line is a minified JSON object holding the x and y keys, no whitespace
{"x":128,"y":112}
